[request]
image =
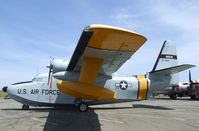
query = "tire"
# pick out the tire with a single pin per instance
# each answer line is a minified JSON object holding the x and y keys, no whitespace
{"x":170,"y":96}
{"x":173,"y":96}
{"x":197,"y":96}
{"x":25,"y":107}
{"x":180,"y":95}
{"x":193,"y":97}
{"x":83,"y":107}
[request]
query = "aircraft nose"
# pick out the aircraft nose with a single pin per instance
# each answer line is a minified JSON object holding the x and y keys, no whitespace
{"x":5,"y":89}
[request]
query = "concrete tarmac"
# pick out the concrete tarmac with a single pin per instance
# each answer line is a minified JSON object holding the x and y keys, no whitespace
{"x":161,"y":114}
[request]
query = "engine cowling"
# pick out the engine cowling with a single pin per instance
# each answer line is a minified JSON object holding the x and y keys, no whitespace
{"x":59,"y":65}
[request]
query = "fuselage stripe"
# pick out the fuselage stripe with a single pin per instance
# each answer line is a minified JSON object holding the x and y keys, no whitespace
{"x":51,"y":82}
{"x":138,"y":88}
{"x":142,"y":87}
{"x":50,"y":89}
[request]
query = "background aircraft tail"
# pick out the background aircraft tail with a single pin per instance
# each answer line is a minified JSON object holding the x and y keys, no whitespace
{"x":167,"y":56}
{"x":166,"y":68}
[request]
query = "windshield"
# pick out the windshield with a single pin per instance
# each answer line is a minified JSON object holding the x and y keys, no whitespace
{"x":39,"y":79}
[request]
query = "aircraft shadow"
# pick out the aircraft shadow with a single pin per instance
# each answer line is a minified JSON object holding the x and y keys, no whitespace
{"x":72,"y":120}
{"x":41,"y":109}
{"x":66,"y":118}
{"x":151,"y":107}
{"x":33,"y":109}
{"x":109,"y":108}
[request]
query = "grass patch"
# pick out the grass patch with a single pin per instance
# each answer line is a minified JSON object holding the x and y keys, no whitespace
{"x":2,"y":94}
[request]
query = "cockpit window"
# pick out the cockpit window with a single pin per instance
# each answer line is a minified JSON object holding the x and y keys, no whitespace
{"x":39,"y":79}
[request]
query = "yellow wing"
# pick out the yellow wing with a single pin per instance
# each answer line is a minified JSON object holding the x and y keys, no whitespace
{"x":103,"y":49}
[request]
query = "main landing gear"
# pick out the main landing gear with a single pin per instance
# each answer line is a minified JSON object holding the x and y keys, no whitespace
{"x":82,"y":106}
{"x":173,"y":96}
{"x":25,"y":107}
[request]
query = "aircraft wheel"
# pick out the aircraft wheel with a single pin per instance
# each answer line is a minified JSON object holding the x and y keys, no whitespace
{"x":173,"y":96}
{"x":83,"y":107}
{"x":25,"y":107}
{"x":193,"y":97}
{"x":180,"y":95}
{"x":170,"y":96}
{"x":197,"y":97}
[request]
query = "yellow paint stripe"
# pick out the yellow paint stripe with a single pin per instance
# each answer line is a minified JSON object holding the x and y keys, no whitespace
{"x":141,"y":76}
{"x":115,"y":39}
{"x":142,"y":87}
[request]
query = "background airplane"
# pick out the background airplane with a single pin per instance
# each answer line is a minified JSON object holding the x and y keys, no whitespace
{"x":179,"y":90}
{"x":182,"y":89}
{"x":193,"y":88}
{"x":87,"y":79}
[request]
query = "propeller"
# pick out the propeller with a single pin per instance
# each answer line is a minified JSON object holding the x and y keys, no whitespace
{"x":193,"y":88}
{"x":192,"y":83}
{"x":50,"y":68}
{"x":190,"y":80}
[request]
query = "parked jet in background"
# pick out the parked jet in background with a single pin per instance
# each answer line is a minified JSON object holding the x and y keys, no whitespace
{"x":87,"y":79}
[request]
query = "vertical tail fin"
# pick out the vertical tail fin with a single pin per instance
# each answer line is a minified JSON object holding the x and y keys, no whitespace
{"x":161,"y":71}
{"x":167,"y":56}
{"x":166,"y":68}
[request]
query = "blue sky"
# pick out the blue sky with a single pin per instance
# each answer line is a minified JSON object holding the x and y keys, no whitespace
{"x":33,"y":30}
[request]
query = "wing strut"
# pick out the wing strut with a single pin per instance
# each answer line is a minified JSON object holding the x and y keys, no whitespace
{"x":89,"y":70}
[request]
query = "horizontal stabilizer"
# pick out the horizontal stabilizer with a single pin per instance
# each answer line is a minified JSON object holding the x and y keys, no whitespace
{"x":173,"y":70}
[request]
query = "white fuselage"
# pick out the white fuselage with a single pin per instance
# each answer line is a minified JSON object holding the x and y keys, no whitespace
{"x":39,"y":93}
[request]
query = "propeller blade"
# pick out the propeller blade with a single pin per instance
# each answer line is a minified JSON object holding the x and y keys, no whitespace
{"x":190,"y":80}
{"x":50,"y":69}
{"x":49,"y":75}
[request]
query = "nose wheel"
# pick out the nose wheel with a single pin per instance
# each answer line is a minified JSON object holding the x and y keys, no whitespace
{"x":25,"y":107}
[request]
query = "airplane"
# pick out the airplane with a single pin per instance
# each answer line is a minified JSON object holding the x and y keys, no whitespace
{"x":193,"y":88}
{"x":87,"y":78}
{"x":180,"y":90}
{"x":184,"y":88}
